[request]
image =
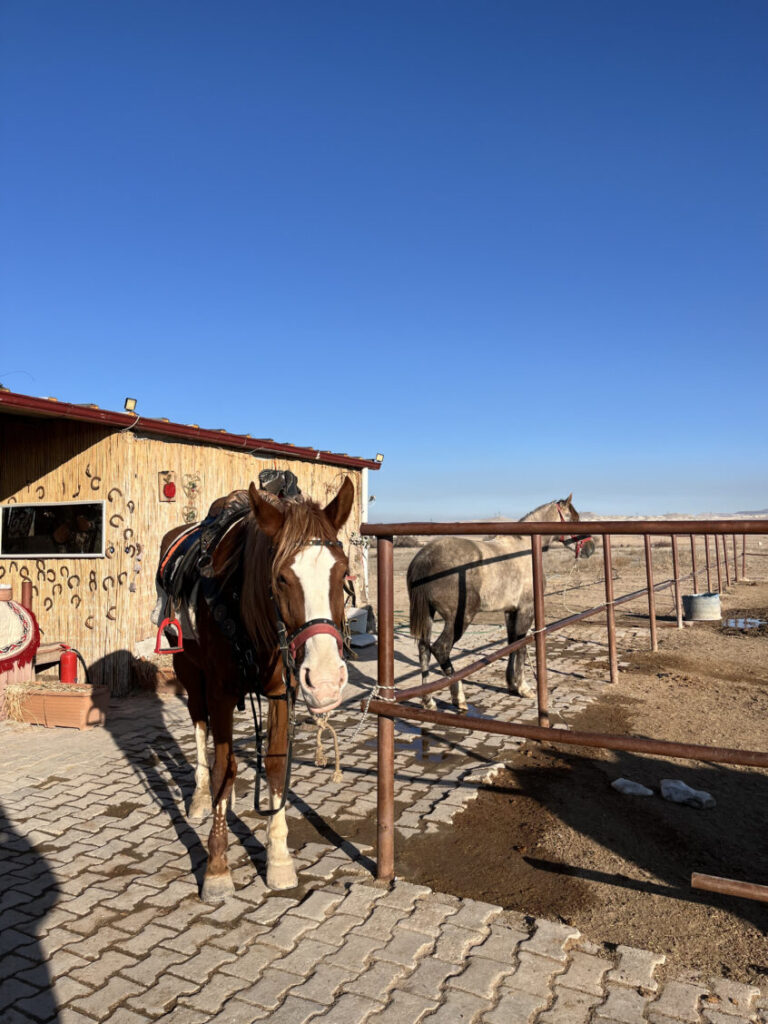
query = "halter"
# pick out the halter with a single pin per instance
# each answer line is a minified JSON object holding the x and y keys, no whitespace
{"x":580,"y":541}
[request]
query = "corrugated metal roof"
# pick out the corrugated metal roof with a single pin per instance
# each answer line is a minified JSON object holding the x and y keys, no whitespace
{"x":14,"y":403}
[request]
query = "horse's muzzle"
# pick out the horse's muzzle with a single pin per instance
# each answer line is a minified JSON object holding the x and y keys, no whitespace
{"x":587,"y":549}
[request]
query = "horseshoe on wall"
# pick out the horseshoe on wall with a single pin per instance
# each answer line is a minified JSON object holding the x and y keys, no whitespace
{"x":64,"y":571}
{"x":112,"y":612}
{"x":121,"y":581}
{"x":35,"y":590}
{"x":51,"y":575}
{"x":14,"y":566}
{"x":106,"y":580}
{"x":130,"y":550}
{"x":24,"y":573}
{"x":40,"y":492}
{"x":112,"y":491}
{"x":48,"y":603}
{"x":88,"y":470}
{"x":53,"y":589}
{"x":12,"y":501}
{"x":127,"y":533}
{"x":138,"y":550}
{"x":75,"y":600}
{"x":93,"y":583}
{"x":2,"y":571}
{"x":71,"y":581}
{"x":77,"y":492}
{"x":114,"y":517}
{"x":89,"y":622}
{"x":95,"y":486}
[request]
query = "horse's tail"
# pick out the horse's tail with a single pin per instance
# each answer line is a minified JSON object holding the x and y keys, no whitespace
{"x":421,"y":617}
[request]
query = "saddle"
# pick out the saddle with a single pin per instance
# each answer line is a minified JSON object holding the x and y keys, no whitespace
{"x":186,"y":569}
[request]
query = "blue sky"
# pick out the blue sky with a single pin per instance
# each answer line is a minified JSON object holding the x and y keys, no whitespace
{"x":519,"y":248}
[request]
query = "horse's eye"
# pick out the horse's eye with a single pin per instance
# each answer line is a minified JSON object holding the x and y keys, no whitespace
{"x":282,"y":580}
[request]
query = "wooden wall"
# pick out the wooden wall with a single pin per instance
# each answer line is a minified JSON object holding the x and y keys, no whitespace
{"x":102,"y":606}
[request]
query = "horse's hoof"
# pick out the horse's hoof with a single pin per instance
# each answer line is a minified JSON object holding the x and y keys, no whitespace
{"x":217,"y":888}
{"x":523,"y":690}
{"x":460,"y":706}
{"x":430,"y":704}
{"x":199,"y":808}
{"x":281,"y":876}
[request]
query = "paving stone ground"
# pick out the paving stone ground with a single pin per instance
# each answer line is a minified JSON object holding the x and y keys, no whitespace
{"x":100,"y":918}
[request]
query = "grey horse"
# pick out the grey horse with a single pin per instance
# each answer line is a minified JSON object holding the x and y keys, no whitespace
{"x":456,"y":578}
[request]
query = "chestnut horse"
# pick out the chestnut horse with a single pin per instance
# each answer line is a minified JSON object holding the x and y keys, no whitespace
{"x":456,"y":578}
{"x":262,"y":611}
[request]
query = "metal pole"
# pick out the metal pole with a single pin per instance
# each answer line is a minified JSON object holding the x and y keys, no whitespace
{"x":385,"y":867}
{"x":729,"y":886}
{"x":542,"y":695}
{"x":693,"y":564}
{"x":725,"y":560}
{"x":610,"y":613}
{"x":651,"y":592}
{"x":676,"y":574}
{"x":717,"y":559}
{"x":744,"y":555}
{"x":709,"y":572}
{"x":571,"y":737}
{"x":735,"y":561}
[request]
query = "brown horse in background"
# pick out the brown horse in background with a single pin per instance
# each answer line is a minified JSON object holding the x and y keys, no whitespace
{"x":456,"y":578}
{"x":264,"y":613}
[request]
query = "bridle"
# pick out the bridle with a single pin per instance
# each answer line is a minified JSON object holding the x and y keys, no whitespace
{"x":290,"y":647}
{"x":580,"y":541}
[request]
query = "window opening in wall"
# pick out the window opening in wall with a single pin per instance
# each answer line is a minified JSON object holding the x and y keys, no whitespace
{"x":65,"y":529}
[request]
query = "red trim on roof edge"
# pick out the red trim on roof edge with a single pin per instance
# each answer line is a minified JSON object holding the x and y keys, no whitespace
{"x":52,"y":408}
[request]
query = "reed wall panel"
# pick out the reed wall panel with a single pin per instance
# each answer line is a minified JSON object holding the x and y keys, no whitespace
{"x":102,"y":606}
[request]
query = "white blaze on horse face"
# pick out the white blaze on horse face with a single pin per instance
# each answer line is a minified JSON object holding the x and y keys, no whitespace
{"x":322,"y":674}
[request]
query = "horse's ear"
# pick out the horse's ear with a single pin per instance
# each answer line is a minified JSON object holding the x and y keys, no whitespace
{"x":338,"y":510}
{"x":269,"y":518}
{"x":569,"y":499}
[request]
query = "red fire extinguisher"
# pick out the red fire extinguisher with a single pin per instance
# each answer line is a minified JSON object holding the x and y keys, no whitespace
{"x":68,"y":665}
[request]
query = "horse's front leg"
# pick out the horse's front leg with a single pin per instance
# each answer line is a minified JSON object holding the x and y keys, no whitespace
{"x":218,"y":884}
{"x":281,"y":874}
{"x":518,"y":624}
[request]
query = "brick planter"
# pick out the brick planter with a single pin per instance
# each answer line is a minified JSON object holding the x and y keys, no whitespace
{"x":75,"y":706}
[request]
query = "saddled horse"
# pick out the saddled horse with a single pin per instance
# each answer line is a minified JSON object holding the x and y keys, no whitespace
{"x":261,"y":603}
{"x":456,"y":578}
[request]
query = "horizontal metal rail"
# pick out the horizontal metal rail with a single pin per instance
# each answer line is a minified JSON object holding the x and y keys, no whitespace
{"x":633,"y":744}
{"x":655,"y":528}
{"x":730,"y":887}
{"x":488,"y":659}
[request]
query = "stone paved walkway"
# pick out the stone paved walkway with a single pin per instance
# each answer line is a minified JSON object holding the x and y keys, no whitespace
{"x":100,"y":918}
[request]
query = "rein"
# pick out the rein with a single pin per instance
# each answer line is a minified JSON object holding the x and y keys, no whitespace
{"x":289,"y":646}
{"x":580,"y":541}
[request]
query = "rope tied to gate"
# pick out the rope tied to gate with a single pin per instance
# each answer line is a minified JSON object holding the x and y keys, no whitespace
{"x":323,"y":723}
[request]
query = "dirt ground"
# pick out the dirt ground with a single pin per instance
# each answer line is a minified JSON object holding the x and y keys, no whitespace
{"x":550,"y":837}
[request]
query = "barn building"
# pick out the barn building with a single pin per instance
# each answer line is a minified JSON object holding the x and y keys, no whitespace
{"x":87,"y":494}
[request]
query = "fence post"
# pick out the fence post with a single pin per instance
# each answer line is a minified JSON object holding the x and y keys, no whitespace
{"x":725,"y":560}
{"x":542,"y":694}
{"x":717,"y":559}
{"x":693,"y":564}
{"x":744,"y":556}
{"x":609,"y":609}
{"x":735,"y":561}
{"x":709,"y":573}
{"x":676,"y":571}
{"x":385,"y":852}
{"x":651,"y":592}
